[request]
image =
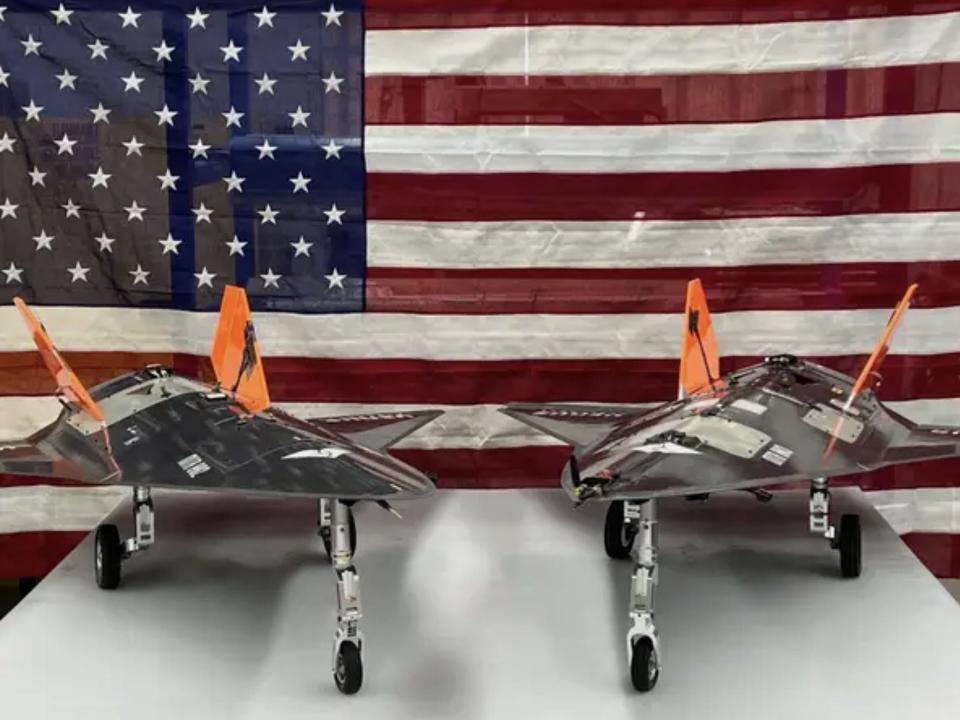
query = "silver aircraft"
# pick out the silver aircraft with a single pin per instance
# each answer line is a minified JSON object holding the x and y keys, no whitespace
{"x":157,"y":428}
{"x":781,"y":421}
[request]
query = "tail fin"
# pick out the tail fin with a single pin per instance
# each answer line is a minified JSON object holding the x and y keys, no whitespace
{"x":68,"y":384}
{"x":699,"y":360}
{"x":868,"y":375}
{"x":236,"y":354}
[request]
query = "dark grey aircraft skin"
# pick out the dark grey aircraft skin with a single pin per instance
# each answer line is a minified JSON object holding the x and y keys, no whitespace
{"x":765,"y":425}
{"x":164,"y":430}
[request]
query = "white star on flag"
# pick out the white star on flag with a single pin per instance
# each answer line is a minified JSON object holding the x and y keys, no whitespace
{"x":98,"y":50}
{"x":299,"y":117}
{"x":332,"y":16}
{"x":168,"y":180}
{"x":198,"y":84}
{"x":302,"y":247}
{"x":203,"y":214}
{"x":332,"y":150}
{"x":32,"y":111}
{"x":43,"y":241}
{"x":62,"y":15}
{"x":164,"y":51}
{"x":170,"y":245}
{"x":199,"y":148}
{"x":139,"y":275}
{"x":105,"y":241}
{"x":265,"y":84}
{"x":99,"y":178}
{"x":66,"y":80}
{"x":78,"y":272}
{"x":331,"y":84}
{"x":298,"y":51}
{"x":236,"y":247}
{"x":264,"y":17}
{"x":334,"y":215}
{"x":266,"y":150}
{"x":132,"y":82}
{"x":335,"y":279}
{"x":13,"y":273}
{"x":134,"y":211}
{"x":133,"y":146}
{"x":204,"y":277}
{"x":270,"y":279}
{"x":100,"y":114}
{"x":6,"y":143}
{"x":36,"y":177}
{"x":234,"y":182}
{"x":231,"y":52}
{"x":31,"y":46}
{"x":129,"y":18}
{"x":198,"y":19}
{"x":233,"y":117}
{"x":4,"y":76}
{"x":65,"y":145}
{"x":165,"y":115}
{"x":73,"y":210}
{"x":8,"y":209}
{"x":268,"y":215}
{"x":300,"y":183}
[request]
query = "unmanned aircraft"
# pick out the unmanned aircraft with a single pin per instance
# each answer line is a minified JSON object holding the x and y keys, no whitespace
{"x":781,"y":421}
{"x":157,"y":428}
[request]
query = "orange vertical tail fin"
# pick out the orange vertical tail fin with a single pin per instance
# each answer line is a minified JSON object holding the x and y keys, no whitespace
{"x":699,"y":359}
{"x":68,"y":384}
{"x":236,"y":354}
{"x":868,"y":375}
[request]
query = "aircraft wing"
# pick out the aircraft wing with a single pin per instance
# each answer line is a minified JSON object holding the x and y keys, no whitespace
{"x":377,"y":431}
{"x":576,"y":425}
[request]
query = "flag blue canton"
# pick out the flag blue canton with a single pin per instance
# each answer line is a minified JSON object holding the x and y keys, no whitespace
{"x":152,"y":153}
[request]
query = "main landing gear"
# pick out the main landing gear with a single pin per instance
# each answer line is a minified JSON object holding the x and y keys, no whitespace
{"x":631,"y":527}
{"x":110,"y":551}
{"x":338,"y":531}
{"x":846,"y":539}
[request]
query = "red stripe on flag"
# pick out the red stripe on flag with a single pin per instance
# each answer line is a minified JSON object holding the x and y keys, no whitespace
{"x":642,"y":100}
{"x":394,"y":14}
{"x":940,"y":552}
{"x":664,"y":195}
{"x":469,"y":382}
{"x":658,"y":290}
{"x":34,"y":554}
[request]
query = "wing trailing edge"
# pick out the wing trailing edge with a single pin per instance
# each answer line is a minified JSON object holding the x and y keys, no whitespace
{"x":236,"y":354}
{"x":576,"y":425}
{"x":378,"y":431}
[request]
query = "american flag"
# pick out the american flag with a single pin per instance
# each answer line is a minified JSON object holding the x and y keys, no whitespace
{"x":467,"y":202}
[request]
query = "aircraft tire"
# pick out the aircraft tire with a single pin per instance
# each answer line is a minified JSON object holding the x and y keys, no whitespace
{"x":108,"y":557}
{"x":617,"y":537}
{"x":644,"y":671}
{"x":348,"y":673}
{"x":849,"y":545}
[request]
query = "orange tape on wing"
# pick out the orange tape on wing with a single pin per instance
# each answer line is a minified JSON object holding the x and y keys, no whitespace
{"x":68,"y":383}
{"x":236,"y":353}
{"x":699,"y":360}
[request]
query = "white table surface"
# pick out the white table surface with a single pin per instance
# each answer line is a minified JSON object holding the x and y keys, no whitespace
{"x":486,"y":604}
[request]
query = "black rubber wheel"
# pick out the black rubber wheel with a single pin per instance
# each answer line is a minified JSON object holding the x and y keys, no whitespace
{"x":644,"y":671}
{"x":107,"y":557}
{"x":348,"y":673}
{"x":327,"y":536}
{"x":849,"y":546}
{"x":618,"y":537}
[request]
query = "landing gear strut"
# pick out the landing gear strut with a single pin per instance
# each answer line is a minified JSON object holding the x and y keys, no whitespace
{"x":348,"y":640}
{"x":643,"y":643}
{"x":847,"y":540}
{"x":110,"y":551}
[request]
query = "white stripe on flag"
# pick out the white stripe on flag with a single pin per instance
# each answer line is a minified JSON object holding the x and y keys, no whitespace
{"x":665,"y":243}
{"x":883,"y":140}
{"x":487,"y":337}
{"x":594,"y":49}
